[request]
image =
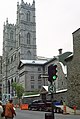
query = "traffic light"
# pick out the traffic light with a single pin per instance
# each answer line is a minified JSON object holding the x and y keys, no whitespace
{"x":52,"y":73}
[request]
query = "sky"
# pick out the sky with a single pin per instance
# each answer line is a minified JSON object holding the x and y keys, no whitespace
{"x":56,"y":20}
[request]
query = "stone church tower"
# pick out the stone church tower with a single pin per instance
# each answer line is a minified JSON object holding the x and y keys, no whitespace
{"x":26,"y":31}
{"x":19,"y":42}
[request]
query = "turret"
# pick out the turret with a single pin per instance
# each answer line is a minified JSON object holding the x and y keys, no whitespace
{"x":6,"y":21}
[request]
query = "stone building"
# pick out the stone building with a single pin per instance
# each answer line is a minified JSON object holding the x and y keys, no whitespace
{"x":20,"y":62}
{"x":19,"y":42}
{"x":0,"y":77}
{"x":73,"y":72}
{"x":30,"y":70}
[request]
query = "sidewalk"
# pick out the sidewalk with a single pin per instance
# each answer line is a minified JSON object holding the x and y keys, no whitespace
{"x":69,"y":110}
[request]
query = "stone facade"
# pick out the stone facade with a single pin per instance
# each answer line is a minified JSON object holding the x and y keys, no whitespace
{"x":19,"y":42}
{"x":29,"y":74}
{"x":19,"y":54}
{"x":0,"y":77}
{"x":73,"y":72}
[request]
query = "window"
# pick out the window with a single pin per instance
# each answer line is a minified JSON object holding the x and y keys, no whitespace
{"x":19,"y":57}
{"x":32,"y":83}
{"x":39,"y":76}
{"x":15,"y":79}
{"x":11,"y":35}
{"x":28,"y":55}
{"x":39,"y":69}
{"x":10,"y":48}
{"x":32,"y":86}
{"x":32,"y":77}
{"x":39,"y":81}
{"x":19,"y":39}
{"x":8,"y":86}
{"x":15,"y":57}
{"x":11,"y":59}
{"x":28,"y":38}
{"x":8,"y":61}
{"x":28,"y":16}
{"x":39,"y":86}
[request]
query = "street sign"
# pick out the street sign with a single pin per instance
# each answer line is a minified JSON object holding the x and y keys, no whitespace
{"x":43,"y":75}
{"x":5,"y":98}
{"x":52,"y":88}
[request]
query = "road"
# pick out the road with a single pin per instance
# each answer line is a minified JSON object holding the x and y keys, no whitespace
{"x":25,"y":114}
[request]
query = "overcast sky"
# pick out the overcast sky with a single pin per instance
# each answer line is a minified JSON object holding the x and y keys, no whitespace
{"x":56,"y":20}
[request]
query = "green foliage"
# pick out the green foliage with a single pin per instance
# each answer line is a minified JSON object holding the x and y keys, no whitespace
{"x":18,"y":88}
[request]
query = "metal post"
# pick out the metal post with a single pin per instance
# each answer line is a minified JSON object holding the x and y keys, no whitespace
{"x":52,"y":104}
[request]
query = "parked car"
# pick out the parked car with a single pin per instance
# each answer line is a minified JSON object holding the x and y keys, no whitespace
{"x":44,"y":106}
{"x":37,"y":105}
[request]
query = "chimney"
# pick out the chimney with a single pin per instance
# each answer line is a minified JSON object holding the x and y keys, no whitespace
{"x":60,"y":51}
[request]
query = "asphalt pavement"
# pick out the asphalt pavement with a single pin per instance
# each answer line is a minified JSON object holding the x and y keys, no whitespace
{"x":26,"y":114}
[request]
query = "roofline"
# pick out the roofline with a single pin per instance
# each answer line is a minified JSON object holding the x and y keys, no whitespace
{"x":27,"y":96}
{"x":55,"y":58}
{"x":30,"y":64}
{"x":68,"y":58}
{"x":76,"y":30}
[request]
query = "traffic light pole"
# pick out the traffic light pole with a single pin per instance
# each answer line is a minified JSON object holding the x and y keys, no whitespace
{"x":52,"y":96}
{"x":52,"y":76}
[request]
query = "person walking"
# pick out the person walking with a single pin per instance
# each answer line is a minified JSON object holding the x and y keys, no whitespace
{"x":9,"y":110}
{"x":1,"y":110}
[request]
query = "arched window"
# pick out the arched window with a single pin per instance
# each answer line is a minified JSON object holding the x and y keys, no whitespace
{"x":28,"y":55}
{"x":11,"y":59}
{"x":12,"y":91}
{"x":28,"y":38}
{"x":28,"y":16}
{"x":19,"y":39}
{"x":8,"y":86}
{"x":11,"y":35}
{"x":19,"y":56}
{"x":15,"y":79}
{"x":11,"y":81}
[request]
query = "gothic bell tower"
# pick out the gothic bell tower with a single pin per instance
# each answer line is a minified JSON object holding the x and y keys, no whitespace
{"x":26,"y":31}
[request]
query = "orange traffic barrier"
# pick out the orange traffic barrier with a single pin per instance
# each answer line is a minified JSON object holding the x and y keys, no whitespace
{"x":24,"y":106}
{"x":64,"y":109}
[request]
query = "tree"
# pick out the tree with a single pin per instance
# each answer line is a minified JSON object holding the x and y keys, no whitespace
{"x":18,"y":89}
